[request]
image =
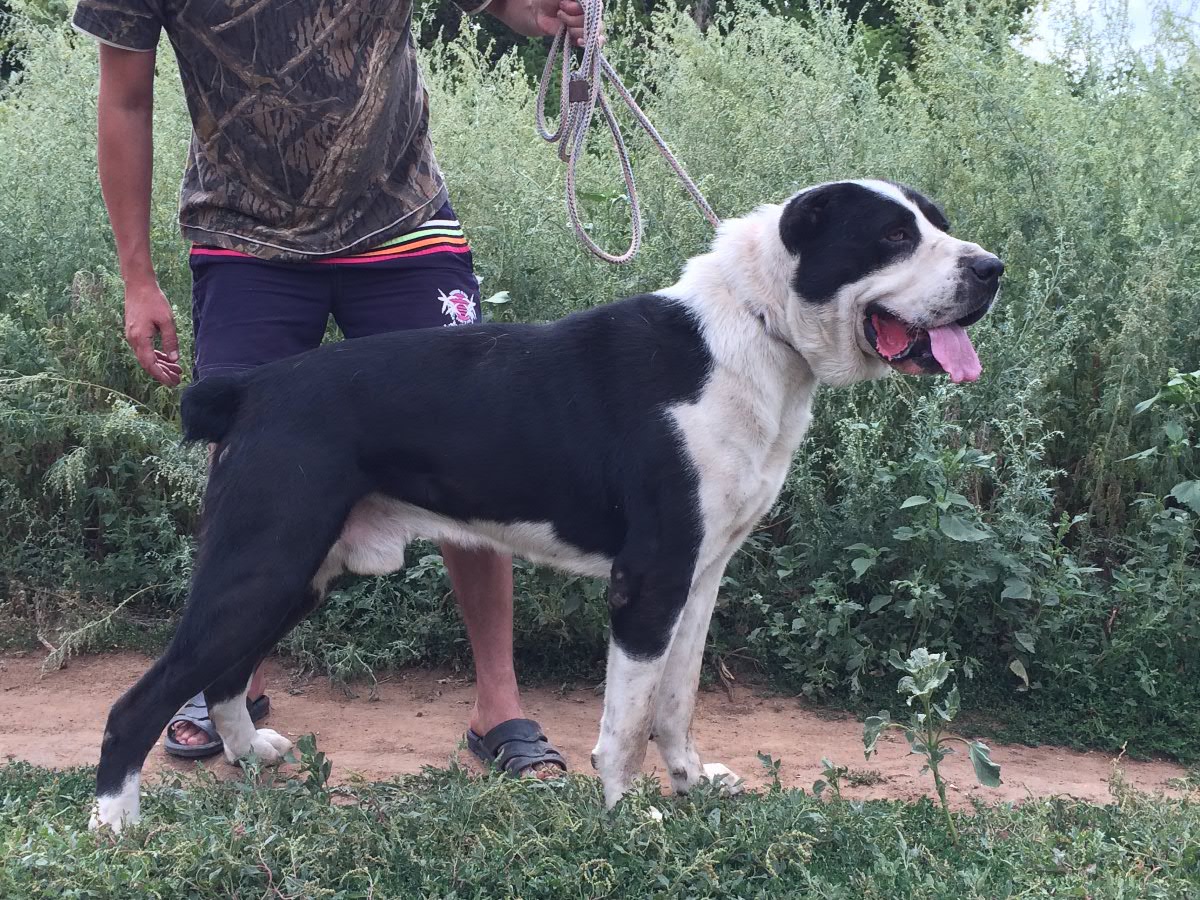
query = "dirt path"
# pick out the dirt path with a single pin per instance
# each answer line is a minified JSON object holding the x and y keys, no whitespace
{"x":418,"y":719}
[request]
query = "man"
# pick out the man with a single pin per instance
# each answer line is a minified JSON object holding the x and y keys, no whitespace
{"x":311,"y":190}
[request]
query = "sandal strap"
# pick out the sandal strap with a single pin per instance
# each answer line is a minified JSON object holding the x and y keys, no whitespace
{"x":517,"y":745}
{"x":195,"y":712}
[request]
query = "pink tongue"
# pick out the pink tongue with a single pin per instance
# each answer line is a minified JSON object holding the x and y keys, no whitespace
{"x":952,"y":348}
{"x":891,"y":337}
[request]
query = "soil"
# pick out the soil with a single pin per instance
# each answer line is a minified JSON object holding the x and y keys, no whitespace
{"x":416,"y":718}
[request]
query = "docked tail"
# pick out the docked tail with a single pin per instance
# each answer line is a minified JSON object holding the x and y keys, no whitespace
{"x":209,"y":408}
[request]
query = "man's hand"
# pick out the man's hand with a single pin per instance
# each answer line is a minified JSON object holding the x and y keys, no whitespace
{"x":147,"y":314}
{"x":541,"y":18}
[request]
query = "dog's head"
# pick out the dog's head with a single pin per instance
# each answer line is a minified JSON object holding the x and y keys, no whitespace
{"x":875,"y":282}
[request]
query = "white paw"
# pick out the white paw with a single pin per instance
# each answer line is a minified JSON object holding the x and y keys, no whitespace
{"x":117,"y":810}
{"x":722,"y":775}
{"x":96,"y":822}
{"x":268,"y":745}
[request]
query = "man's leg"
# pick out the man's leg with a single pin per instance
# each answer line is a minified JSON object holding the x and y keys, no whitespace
{"x":483,"y":584}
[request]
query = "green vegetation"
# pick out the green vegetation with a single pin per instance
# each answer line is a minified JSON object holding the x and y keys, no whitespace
{"x":1015,"y":526}
{"x":925,"y":730}
{"x":449,"y":834}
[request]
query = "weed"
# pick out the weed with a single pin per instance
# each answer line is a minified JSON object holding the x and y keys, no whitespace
{"x":925,"y":673}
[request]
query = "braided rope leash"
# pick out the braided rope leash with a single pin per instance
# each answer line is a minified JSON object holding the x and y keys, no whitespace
{"x":581,"y":93}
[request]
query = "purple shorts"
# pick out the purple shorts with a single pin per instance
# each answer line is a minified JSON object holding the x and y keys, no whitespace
{"x":247,"y":311}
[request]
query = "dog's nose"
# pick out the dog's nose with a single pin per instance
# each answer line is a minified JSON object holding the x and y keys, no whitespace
{"x":987,"y":268}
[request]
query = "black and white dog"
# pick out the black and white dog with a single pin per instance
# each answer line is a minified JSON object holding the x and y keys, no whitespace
{"x":639,"y":441}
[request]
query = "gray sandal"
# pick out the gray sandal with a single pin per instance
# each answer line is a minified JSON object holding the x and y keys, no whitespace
{"x":195,"y":712}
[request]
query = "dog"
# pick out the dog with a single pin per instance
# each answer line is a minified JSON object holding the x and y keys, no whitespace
{"x":640,"y":441}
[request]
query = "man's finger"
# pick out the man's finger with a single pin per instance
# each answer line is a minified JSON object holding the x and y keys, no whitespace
{"x":169,"y":377}
{"x":170,"y":340}
{"x":162,"y":359}
{"x":143,"y":349}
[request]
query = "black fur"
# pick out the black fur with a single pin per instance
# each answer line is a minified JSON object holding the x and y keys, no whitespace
{"x":208,"y":408}
{"x":560,"y":423}
{"x":928,"y":208}
{"x":842,"y":233}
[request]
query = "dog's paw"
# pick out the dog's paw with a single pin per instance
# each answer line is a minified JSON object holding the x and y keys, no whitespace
{"x":269,"y":746}
{"x":722,"y":775}
{"x":97,"y":822}
{"x":116,"y":811}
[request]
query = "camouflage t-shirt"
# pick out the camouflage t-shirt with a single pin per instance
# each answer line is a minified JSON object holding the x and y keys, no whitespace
{"x":310,"y":118}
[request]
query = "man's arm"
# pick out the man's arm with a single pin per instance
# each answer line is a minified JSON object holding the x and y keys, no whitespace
{"x":125,"y":154}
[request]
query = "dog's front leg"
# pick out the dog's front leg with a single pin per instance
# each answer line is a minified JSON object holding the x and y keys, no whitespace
{"x":625,"y":728}
{"x":676,"y":699}
{"x":646,"y":593}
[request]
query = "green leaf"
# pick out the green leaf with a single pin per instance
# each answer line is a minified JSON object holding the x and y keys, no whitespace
{"x":872,"y":728}
{"x":1018,"y":668}
{"x":1016,"y":589}
{"x":1188,"y":492}
{"x":714,"y":818}
{"x":986,"y":771}
{"x":1174,"y":432}
{"x":959,"y":529}
{"x":861,"y":565}
{"x":1025,"y":640}
{"x":950,"y":710}
{"x":819,"y":785}
{"x":914,"y":500}
{"x":904,"y":533}
{"x":1146,"y":404}
{"x":878,"y":602}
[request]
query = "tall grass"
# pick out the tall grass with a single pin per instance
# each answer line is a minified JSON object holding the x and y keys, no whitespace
{"x":1055,"y":568}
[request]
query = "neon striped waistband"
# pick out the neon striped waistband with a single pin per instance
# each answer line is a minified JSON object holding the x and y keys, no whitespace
{"x":435,"y":236}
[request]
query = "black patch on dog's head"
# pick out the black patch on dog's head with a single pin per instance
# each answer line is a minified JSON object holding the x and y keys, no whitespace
{"x":843,"y":232}
{"x":928,"y":208}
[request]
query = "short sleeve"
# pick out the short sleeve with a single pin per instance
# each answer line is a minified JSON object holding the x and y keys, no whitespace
{"x":470,"y":7}
{"x":127,"y":24}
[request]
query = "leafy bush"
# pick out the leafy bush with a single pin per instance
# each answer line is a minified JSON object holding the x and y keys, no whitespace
{"x":1004,"y":524}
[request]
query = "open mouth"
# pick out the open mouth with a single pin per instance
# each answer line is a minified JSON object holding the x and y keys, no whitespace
{"x":919,"y":351}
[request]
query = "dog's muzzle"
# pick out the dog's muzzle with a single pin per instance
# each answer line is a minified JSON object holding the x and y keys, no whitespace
{"x":939,"y":349}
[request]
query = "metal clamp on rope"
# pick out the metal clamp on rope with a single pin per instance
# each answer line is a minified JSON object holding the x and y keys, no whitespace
{"x":579,"y":90}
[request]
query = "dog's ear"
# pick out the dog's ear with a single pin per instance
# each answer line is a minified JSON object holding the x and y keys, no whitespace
{"x":806,"y":214}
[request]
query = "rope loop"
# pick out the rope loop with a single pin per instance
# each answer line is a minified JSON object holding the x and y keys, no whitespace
{"x":581,"y":92}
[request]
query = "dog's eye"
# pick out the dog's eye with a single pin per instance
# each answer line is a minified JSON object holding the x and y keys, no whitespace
{"x":898,"y":236}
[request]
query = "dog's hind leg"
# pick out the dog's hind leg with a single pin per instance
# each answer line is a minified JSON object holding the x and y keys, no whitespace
{"x":226,"y":699}
{"x":227,"y":695}
{"x":645,"y":598}
{"x":263,"y":545}
{"x":218,"y":634}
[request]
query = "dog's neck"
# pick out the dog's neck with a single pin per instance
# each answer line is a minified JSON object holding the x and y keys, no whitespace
{"x":736,"y":292}
{"x":733,"y":292}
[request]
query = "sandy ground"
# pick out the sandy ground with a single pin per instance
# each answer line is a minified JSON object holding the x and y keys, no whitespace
{"x":417,"y":718}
